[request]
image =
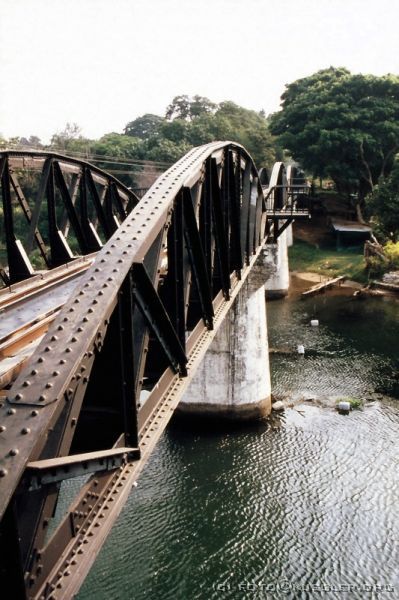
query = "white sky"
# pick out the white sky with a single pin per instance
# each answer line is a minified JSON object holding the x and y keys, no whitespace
{"x":102,"y":63}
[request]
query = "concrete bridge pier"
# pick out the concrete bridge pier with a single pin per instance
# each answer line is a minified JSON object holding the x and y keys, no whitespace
{"x":290,"y":236}
{"x":278,"y":282}
{"x":233,"y":381}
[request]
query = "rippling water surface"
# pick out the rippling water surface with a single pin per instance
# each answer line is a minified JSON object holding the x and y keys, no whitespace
{"x":303,"y":507}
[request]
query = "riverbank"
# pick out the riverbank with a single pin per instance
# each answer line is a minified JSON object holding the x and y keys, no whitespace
{"x":327,"y":262}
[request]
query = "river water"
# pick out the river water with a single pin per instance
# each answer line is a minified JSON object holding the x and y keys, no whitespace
{"x":304,"y":506}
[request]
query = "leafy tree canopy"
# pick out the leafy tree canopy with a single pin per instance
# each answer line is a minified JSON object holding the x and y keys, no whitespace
{"x":144,"y":127}
{"x":341,"y":125}
{"x":194,"y":121}
{"x":383,"y":205}
{"x":186,"y":108}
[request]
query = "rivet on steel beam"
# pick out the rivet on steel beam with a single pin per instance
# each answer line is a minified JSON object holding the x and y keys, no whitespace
{"x":34,"y":372}
{"x":73,"y":422}
{"x":81,"y":293}
{"x":74,"y":339}
{"x":62,"y":361}
{"x":13,"y":452}
{"x":102,"y":260}
{"x":85,"y":319}
{"x":2,"y":428}
{"x":55,"y":373}
{"x":115,"y":270}
{"x":90,"y":310}
{"x":110,"y":279}
{"x":68,"y":350}
{"x":85,"y":379}
{"x":11,"y":411}
{"x":34,"y":413}
{"x":60,"y":328}
{"x":100,"y":293}
{"x":90,"y":354}
{"x":47,"y":349}
{"x":65,"y":319}
{"x":25,"y":431}
{"x":80,"y":329}
{"x":40,"y":359}
{"x":77,"y":300}
{"x":97,"y":270}
{"x":71,"y":309}
{"x":54,"y":338}
{"x":42,"y":398}
{"x":120,"y":260}
{"x":3,"y":472}
{"x":49,"y":385}
{"x":92,"y":278}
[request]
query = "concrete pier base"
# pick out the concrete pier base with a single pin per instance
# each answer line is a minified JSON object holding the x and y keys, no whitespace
{"x":290,"y":236}
{"x":233,"y":381}
{"x":278,"y":283}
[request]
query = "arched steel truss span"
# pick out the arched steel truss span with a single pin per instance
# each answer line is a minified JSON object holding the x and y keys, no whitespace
{"x":60,"y":205}
{"x":137,"y":325}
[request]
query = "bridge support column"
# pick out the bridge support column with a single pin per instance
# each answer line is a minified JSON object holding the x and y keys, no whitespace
{"x":233,"y":381}
{"x":290,"y":236}
{"x":277,"y":260}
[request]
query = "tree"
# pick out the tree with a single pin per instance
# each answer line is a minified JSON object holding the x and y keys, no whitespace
{"x":186,"y":108}
{"x":383,"y":205}
{"x":343,"y":126}
{"x":144,"y":127}
{"x":32,"y":142}
{"x":194,"y":121}
{"x":64,"y":140}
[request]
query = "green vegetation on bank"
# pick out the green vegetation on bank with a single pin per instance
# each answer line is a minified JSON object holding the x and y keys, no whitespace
{"x":329,"y":262}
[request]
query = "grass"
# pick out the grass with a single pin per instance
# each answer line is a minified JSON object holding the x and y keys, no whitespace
{"x":328,"y":261}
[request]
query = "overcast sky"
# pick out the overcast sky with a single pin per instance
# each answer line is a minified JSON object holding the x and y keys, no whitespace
{"x":102,"y":63}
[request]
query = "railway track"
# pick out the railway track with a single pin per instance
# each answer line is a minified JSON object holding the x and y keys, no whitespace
{"x":27,"y":310}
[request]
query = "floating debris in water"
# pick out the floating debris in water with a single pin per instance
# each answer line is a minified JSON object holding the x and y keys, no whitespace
{"x":343,"y":406}
{"x":279,"y":405}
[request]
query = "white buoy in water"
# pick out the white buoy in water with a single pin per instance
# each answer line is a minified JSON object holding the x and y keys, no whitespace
{"x":314,"y":322}
{"x":344,"y":406}
{"x":301,"y":349}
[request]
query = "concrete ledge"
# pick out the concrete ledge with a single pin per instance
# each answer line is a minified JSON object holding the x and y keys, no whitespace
{"x":226,"y":412}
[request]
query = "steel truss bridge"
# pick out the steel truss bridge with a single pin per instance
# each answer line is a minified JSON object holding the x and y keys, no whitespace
{"x":124,"y":300}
